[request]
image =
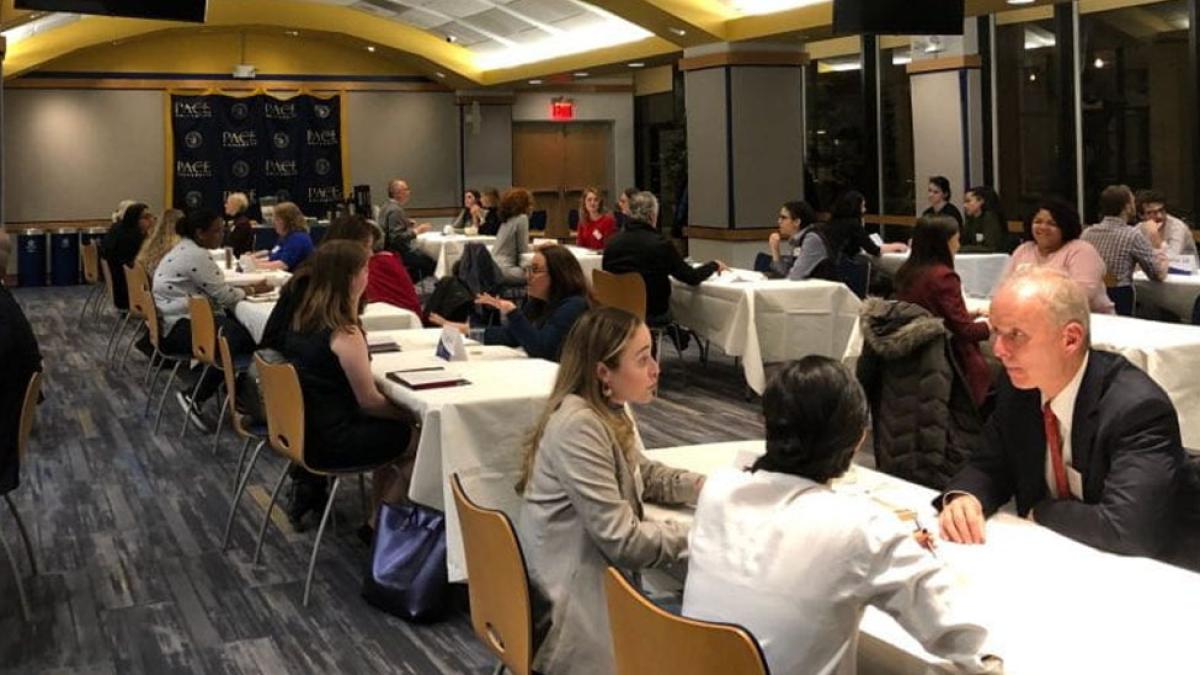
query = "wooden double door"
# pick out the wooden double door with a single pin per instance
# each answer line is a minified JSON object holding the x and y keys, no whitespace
{"x":556,"y":161}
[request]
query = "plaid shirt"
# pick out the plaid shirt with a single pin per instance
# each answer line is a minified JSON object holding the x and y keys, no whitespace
{"x":1121,"y":246}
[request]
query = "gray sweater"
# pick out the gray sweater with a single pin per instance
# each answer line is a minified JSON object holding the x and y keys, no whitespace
{"x":185,"y":271}
{"x":511,"y":241}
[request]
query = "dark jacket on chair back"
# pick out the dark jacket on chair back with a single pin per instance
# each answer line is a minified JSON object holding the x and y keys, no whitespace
{"x":640,"y":248}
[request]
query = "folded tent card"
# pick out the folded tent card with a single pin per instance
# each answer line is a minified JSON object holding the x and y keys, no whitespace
{"x":451,"y":346}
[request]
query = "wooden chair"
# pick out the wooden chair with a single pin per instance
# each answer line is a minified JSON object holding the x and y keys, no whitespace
{"x":249,"y":433}
{"x":501,"y":612}
{"x":284,"y":402}
{"x":25,"y":425}
{"x":138,"y":285}
{"x":90,"y":255}
{"x":628,"y":292}
{"x":204,"y":344}
{"x":119,"y":323}
{"x":648,"y":639}
{"x":158,"y":356}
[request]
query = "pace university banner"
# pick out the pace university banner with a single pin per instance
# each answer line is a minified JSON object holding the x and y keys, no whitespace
{"x":290,"y":149}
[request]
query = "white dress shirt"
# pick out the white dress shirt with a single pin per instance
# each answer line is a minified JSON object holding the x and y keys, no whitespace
{"x":796,"y":564}
{"x":1063,"y":407}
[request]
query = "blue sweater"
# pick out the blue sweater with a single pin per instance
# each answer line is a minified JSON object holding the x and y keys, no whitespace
{"x":293,"y":249}
{"x":543,"y":340}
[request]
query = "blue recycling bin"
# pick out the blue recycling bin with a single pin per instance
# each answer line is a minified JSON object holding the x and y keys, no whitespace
{"x":264,"y":238}
{"x":31,"y":258}
{"x":64,"y":257}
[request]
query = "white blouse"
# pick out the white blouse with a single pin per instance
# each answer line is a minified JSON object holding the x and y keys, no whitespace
{"x":796,"y":564}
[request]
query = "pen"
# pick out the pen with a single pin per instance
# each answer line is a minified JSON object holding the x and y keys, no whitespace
{"x":923,"y":537}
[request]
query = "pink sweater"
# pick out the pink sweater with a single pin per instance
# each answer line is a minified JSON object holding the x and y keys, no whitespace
{"x":1078,"y":259}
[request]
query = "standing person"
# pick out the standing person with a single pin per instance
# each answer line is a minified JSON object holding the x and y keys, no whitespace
{"x":1165,"y":232}
{"x":399,"y":232}
{"x":294,"y":245}
{"x":1053,"y":232}
{"x":641,"y":248}
{"x":161,"y":239}
{"x":807,"y":245}
{"x":466,"y":217}
{"x":775,"y":549}
{"x":239,"y":234}
{"x":1121,"y":247}
{"x":928,"y":279}
{"x":595,"y":224}
{"x":584,"y":481}
{"x":513,"y":238}
{"x":985,"y":229}
{"x":121,"y":246}
{"x":939,"y":200}
{"x":20,"y":358}
{"x":846,"y":230}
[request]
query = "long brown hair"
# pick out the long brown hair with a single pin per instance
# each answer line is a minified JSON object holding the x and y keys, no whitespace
{"x":584,"y":216}
{"x":599,"y":336}
{"x":516,"y":202}
{"x":566,"y":279}
{"x":293,"y":219}
{"x":326,"y":303}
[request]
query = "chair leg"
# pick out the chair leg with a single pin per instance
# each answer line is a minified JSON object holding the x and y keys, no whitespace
{"x":237,"y":495}
{"x":163,"y":398}
{"x":192,"y":397}
{"x":128,"y":348}
{"x":262,"y":530}
{"x":362,"y":496}
{"x":12,"y":562}
{"x":312,"y":560}
{"x":498,"y":669}
{"x":162,"y":361}
{"x":24,"y":533}
{"x":118,"y":326}
{"x":149,"y":365}
{"x":91,"y":297}
{"x":216,"y":444}
{"x":237,"y":474}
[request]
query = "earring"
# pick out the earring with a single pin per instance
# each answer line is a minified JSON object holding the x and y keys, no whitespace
{"x":606,"y":390}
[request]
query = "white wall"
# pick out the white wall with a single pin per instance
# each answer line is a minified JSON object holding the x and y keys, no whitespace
{"x":616,"y":108}
{"x":413,"y":136}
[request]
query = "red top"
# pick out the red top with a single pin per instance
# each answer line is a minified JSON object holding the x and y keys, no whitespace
{"x":939,"y":290}
{"x":389,"y":282}
{"x":594,"y":234}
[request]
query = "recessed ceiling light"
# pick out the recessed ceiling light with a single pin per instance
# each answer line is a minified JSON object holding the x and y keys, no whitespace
{"x":637,"y":64}
{"x":678,"y":31}
{"x":535,"y":82}
{"x":440,"y":74}
{"x":292,"y":33}
{"x":1020,"y":2}
{"x":581,"y":74}
{"x":451,"y":39}
{"x":371,"y":48}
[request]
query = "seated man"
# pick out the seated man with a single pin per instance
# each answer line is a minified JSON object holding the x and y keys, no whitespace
{"x":1165,"y":232}
{"x":1120,"y":245}
{"x":1086,"y":442}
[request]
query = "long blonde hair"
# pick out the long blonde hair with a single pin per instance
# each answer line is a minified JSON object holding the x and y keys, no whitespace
{"x":599,"y":336}
{"x":160,"y":242}
{"x":326,"y":302}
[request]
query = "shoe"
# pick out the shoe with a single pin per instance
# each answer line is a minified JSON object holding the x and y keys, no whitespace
{"x":190,"y":409}
{"x":307,"y":496}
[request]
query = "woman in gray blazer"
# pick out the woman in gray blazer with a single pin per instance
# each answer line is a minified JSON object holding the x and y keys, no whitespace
{"x":584,"y":480}
{"x":513,"y":237}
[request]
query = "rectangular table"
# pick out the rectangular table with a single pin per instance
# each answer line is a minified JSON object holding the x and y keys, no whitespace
{"x":767,"y":321}
{"x":1177,"y":294}
{"x":980,"y":272}
{"x":447,"y":249}
{"x":478,"y":430}
{"x":1052,"y":605}
{"x":378,"y":316}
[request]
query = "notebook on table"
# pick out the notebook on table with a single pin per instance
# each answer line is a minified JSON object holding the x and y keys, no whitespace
{"x":381,"y":345}
{"x":432,"y":377}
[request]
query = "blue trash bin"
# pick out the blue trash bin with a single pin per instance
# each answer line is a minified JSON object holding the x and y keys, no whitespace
{"x":64,"y":257}
{"x":31,"y":258}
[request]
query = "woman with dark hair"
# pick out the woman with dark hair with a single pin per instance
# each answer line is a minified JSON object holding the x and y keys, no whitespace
{"x":928,"y":279}
{"x":595,"y":224}
{"x":583,"y":481}
{"x":807,"y":242}
{"x":985,"y":229}
{"x":846,"y":231}
{"x":939,"y":200}
{"x":621,"y":215}
{"x":1052,"y":232}
{"x":188,"y":270}
{"x":777,"y":550}
{"x":556,"y":295}
{"x":487,"y":214}
{"x":466,"y":217}
{"x":122,"y":244}
{"x":513,"y":238}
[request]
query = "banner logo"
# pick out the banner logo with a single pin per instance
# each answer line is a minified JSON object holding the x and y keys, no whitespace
{"x":280,"y":111}
{"x":197,"y":110}
{"x":322,"y":137}
{"x":198,"y":169}
{"x":281,"y":140}
{"x":252,"y":195}
{"x":322,"y":111}
{"x":241,"y":168}
{"x":324,"y":195}
{"x":240,"y":111}
{"x":193,"y":139}
{"x":193,"y":199}
{"x":282,"y":167}
{"x":239,"y":139}
{"x":322,"y":167}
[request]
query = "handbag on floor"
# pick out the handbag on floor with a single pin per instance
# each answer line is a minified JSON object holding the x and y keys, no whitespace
{"x":407,"y":572}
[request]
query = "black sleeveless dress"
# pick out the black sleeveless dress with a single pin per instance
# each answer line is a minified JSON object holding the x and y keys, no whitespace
{"x":338,"y":434}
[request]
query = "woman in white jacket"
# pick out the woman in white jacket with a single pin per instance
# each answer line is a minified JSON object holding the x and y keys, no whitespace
{"x":774,"y":549}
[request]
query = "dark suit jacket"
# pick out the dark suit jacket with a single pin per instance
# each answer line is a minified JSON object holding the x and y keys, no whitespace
{"x":1125,"y":444}
{"x":640,"y":248}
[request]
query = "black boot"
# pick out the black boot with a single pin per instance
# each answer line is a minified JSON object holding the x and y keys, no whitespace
{"x":308,"y":494}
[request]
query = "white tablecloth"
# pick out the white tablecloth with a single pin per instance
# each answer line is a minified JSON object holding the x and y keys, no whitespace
{"x":1176,"y":295}
{"x":378,"y":316}
{"x":767,"y":321}
{"x":980,"y":272}
{"x":275,"y":278}
{"x":446,"y":250}
{"x":478,"y":430}
{"x":1052,"y":605}
{"x":588,"y":260}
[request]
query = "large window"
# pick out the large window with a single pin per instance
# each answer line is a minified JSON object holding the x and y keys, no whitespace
{"x":1133,"y":86}
{"x":836,"y":144}
{"x":896,"y":128}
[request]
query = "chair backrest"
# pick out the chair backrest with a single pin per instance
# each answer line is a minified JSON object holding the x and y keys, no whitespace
{"x":150,"y":312}
{"x":28,"y":408}
{"x":1110,"y":280}
{"x":138,"y":288}
{"x":284,"y":404}
{"x":501,"y":612}
{"x":537,"y":220}
{"x":106,"y":273}
{"x":623,"y":291}
{"x":90,"y":255}
{"x":230,"y":373}
{"x":204,"y":330}
{"x":648,"y":639}
{"x":762,"y":262}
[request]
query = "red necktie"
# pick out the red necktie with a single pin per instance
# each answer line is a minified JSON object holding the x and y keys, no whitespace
{"x":1054,"y":440}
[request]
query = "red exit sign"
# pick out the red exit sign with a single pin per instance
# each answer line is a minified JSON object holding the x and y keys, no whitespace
{"x":562,"y":109}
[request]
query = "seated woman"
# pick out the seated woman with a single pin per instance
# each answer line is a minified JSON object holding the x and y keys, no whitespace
{"x":556,"y":296}
{"x":1053,"y":241}
{"x":240,"y":233}
{"x":846,"y":230}
{"x":595,"y":224}
{"x":466,"y":217}
{"x":294,"y":245}
{"x":807,"y":255}
{"x":776,"y":550}
{"x":583,"y":483}
{"x":985,"y":229}
{"x":188,"y":270}
{"x":388,"y":281}
{"x":122,"y":244}
{"x":938,"y":194}
{"x":487,"y":213}
{"x":513,"y":238}
{"x":347,"y":421}
{"x":928,"y":279}
{"x":162,"y":239}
